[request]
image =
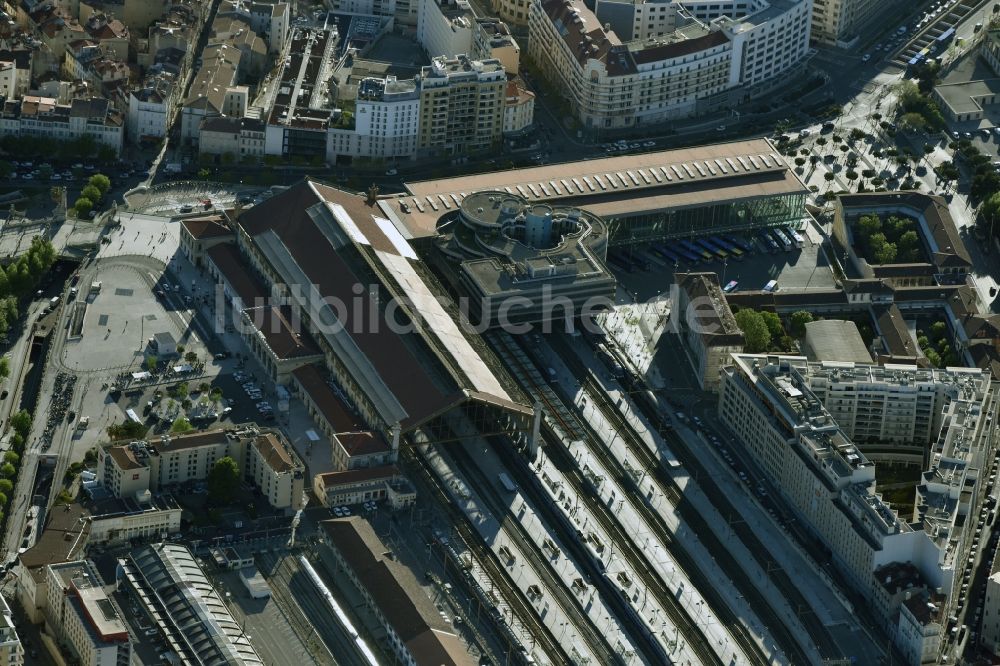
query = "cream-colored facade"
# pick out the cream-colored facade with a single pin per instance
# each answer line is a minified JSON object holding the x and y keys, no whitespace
{"x":838,"y":22}
{"x":155,"y":520}
{"x":82,"y":618}
{"x":491,"y":38}
{"x":461,"y":106}
{"x":518,"y":109}
{"x":642,"y":63}
{"x":11,"y":650}
{"x":262,"y":457}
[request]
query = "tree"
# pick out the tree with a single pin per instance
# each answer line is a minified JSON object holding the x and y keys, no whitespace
{"x":151,"y":362}
{"x":3,"y":499}
{"x":21,"y":423}
{"x":7,"y":470}
{"x":883,"y":252}
{"x":856,"y":134}
{"x":128,"y":430}
{"x":798,"y":322}
{"x":851,"y":175}
{"x":828,"y":177}
{"x":90,"y":192}
{"x":814,"y":159}
{"x":755,"y":331}
{"x":83,"y":205}
{"x":4,"y":364}
{"x":939,"y":330}
{"x":181,"y":391}
{"x":216,"y":394}
{"x":181,"y":426}
{"x":101,"y":182}
{"x":204,"y":174}
{"x":773,"y":323}
{"x":6,"y":486}
{"x":11,"y":457}
{"x":191,"y":357}
{"x":913,"y":121}
{"x":800,"y":161}
{"x":908,"y":247}
{"x":223,"y":480}
{"x":821,"y":141}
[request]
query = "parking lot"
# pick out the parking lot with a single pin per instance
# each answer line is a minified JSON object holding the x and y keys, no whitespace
{"x":805,"y":268}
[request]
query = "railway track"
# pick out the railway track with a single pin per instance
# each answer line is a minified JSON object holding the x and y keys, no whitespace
{"x":666,"y":483}
{"x":571,"y":606}
{"x":560,"y":457}
{"x":514,"y":597}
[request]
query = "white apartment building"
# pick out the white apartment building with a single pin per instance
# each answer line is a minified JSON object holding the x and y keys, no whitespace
{"x":518,"y":109}
{"x":44,"y":117}
{"x":444,"y":27}
{"x":386,"y":114}
{"x":83,"y":618}
{"x":11,"y":650}
{"x":637,"y":63}
{"x":830,"y":484}
{"x":151,"y":108}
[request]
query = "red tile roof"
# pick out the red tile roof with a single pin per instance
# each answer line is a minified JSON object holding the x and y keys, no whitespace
{"x":333,"y":479}
{"x":282,"y":333}
{"x":211,"y":226}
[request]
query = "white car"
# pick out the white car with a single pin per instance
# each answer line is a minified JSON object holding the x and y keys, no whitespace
{"x":649,"y":144}
{"x":866,"y":57}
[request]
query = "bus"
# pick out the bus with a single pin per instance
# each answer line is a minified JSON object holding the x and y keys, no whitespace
{"x":944,"y":38}
{"x":732,"y":248}
{"x":666,"y":253}
{"x":720,"y":253}
{"x":768,"y":241}
{"x":132,"y":416}
{"x":796,"y":237}
{"x":695,"y":249}
{"x":507,"y":484}
{"x":741,"y":242}
{"x":782,"y":239}
{"x":681,"y":254}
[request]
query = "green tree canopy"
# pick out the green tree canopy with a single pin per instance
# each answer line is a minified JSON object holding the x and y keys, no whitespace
{"x":127,"y":430}
{"x":90,"y":192}
{"x":798,"y":322}
{"x":755,"y":331}
{"x":101,"y":182}
{"x":7,"y":470}
{"x":773,"y":323}
{"x":11,"y":457}
{"x":6,"y":486}
{"x":181,"y":426}
{"x":223,"y":481}
{"x":21,"y":423}
{"x":83,"y":205}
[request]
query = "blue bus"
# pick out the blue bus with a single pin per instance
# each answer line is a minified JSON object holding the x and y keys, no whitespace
{"x":666,"y":252}
{"x":741,"y":242}
{"x":721,"y":254}
{"x":686,"y":255}
{"x":695,"y":249}
{"x":944,"y":38}
{"x":732,"y":248}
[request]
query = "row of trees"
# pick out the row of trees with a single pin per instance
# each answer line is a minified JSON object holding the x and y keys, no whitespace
{"x":20,"y":278}
{"x":97,"y":186}
{"x":84,"y":148}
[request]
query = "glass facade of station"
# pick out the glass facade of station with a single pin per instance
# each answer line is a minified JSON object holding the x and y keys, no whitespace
{"x":728,"y":217}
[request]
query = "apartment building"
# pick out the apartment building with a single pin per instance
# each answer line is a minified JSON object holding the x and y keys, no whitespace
{"x":990,"y":633}
{"x":830,"y":484}
{"x":44,"y":117}
{"x":214,"y":91}
{"x":152,"y":107}
{"x":386,"y":113}
{"x":638,"y":63}
{"x":514,"y":12}
{"x":491,"y":38}
{"x":237,"y":139}
{"x":119,"y":520}
{"x":461,"y":106}
{"x":271,"y":20}
{"x":83,"y":619}
{"x":518,"y":109}
{"x":840,"y":22}
{"x":11,"y":650}
{"x":15,"y":73}
{"x":262,"y":456}
{"x":444,"y":27}
{"x":705,"y":325}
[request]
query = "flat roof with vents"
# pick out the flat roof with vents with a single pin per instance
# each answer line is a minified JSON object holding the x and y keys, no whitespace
{"x":614,"y":186}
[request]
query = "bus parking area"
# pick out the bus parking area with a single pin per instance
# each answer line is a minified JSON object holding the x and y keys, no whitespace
{"x":647,"y":271}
